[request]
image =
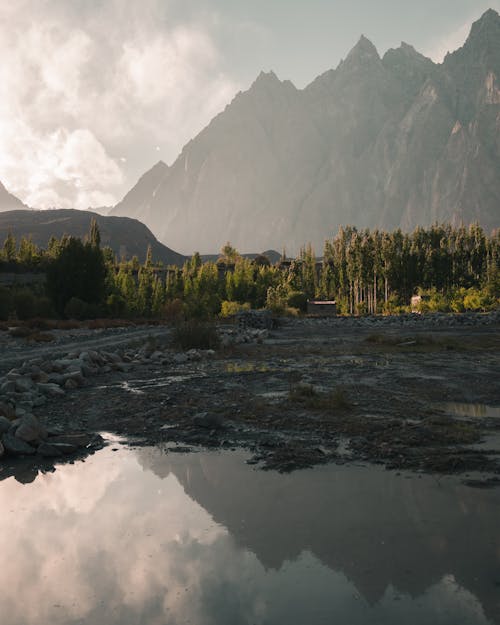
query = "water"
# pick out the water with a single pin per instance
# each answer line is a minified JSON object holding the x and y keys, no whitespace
{"x":150,"y":538}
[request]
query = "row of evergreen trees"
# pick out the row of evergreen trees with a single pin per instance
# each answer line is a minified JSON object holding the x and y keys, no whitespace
{"x":364,"y":271}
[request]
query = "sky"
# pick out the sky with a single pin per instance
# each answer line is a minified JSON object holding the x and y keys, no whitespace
{"x":94,"y":92}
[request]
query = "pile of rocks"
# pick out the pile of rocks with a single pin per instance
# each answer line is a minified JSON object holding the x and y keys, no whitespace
{"x":26,"y":436}
{"x":239,"y":334}
{"x":32,"y":385}
{"x":428,"y":320}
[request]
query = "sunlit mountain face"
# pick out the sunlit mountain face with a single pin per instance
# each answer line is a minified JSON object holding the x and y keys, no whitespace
{"x":387,"y":142}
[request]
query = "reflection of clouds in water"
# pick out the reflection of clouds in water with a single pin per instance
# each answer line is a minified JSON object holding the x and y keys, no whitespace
{"x":110,"y":543}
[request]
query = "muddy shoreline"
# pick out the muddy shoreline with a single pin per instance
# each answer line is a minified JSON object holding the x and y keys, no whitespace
{"x":312,"y":392}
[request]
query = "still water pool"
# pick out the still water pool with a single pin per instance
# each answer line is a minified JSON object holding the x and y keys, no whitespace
{"x":146,"y":537}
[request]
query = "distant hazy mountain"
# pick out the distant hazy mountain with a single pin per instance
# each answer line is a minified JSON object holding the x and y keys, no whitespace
{"x":125,"y":236}
{"x":8,"y":201}
{"x":388,"y":142}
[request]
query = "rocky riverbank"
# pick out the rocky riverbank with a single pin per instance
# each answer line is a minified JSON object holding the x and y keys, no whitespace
{"x":307,"y":392}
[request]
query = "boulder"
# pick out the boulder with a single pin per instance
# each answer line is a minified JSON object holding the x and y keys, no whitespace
{"x":53,"y":390}
{"x":46,"y":366}
{"x":71,"y":384}
{"x":30,"y":429}
{"x":5,"y":425}
{"x":64,"y":448}
{"x":74,"y":376}
{"x":6,"y":410}
{"x":17,"y":447}
{"x":48,"y":451}
{"x":54,"y":378}
{"x":2,"y":449}
{"x":8,"y":387}
{"x":208,"y":421}
{"x":180,"y":359}
{"x":76,"y":439}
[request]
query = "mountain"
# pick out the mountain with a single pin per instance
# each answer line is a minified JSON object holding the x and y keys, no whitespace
{"x":378,"y":142}
{"x":8,"y":201}
{"x":125,"y":236}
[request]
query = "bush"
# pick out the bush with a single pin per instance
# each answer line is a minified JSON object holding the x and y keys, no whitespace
{"x":297,"y":299}
{"x":5,"y":303}
{"x":173,"y":310}
{"x":24,"y":305}
{"x":232,"y":308}
{"x":116,"y":305}
{"x":44,"y":308}
{"x":75,"y":308}
{"x":194,"y":334}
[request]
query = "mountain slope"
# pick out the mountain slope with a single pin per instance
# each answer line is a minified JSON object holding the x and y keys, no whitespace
{"x":8,"y":201}
{"x":126,"y":237}
{"x":388,"y":142}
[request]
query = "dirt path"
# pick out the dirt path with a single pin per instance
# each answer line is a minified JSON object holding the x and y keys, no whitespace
{"x":14,"y":352}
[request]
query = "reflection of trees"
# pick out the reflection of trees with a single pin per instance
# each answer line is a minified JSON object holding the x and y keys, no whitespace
{"x":375,"y":527}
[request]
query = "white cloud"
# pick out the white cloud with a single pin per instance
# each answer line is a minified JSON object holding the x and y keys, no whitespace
{"x":86,"y":95}
{"x":449,"y":43}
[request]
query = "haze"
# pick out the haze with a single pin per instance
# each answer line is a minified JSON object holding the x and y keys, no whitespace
{"x":93,"y":92}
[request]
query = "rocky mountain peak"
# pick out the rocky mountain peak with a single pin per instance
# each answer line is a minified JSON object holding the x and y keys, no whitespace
{"x":159,"y":166}
{"x":482,"y":45}
{"x":266,"y":80}
{"x":363,"y":52}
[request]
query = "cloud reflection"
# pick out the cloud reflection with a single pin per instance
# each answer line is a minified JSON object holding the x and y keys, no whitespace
{"x":107,"y":542}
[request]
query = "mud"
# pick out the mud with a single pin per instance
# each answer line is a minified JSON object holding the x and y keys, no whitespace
{"x":314,"y":392}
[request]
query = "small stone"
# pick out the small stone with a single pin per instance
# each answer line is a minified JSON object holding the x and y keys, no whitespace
{"x":71,"y":384}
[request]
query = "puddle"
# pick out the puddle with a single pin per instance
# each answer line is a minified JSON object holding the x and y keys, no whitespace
{"x":471,"y":410}
{"x":145,"y":536}
{"x":139,"y":387}
{"x":275,"y":396}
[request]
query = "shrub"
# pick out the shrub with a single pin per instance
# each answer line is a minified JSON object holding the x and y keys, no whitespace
{"x":116,"y":305}
{"x":75,"y":308}
{"x":44,"y":308}
{"x":232,"y":308}
{"x":173,"y":310}
{"x":297,"y":299}
{"x":24,"y":304}
{"x":195,"y":334}
{"x":5,"y":303}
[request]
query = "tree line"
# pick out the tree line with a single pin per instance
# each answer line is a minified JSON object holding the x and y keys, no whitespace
{"x":365,"y":272}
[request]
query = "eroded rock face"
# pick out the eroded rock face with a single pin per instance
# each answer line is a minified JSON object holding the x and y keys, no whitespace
{"x":379,"y":142}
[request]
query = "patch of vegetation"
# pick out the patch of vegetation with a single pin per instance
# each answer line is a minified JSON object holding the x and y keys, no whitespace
{"x":335,"y":400}
{"x":195,"y":334}
{"x":228,"y":309}
{"x":248,"y":367}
